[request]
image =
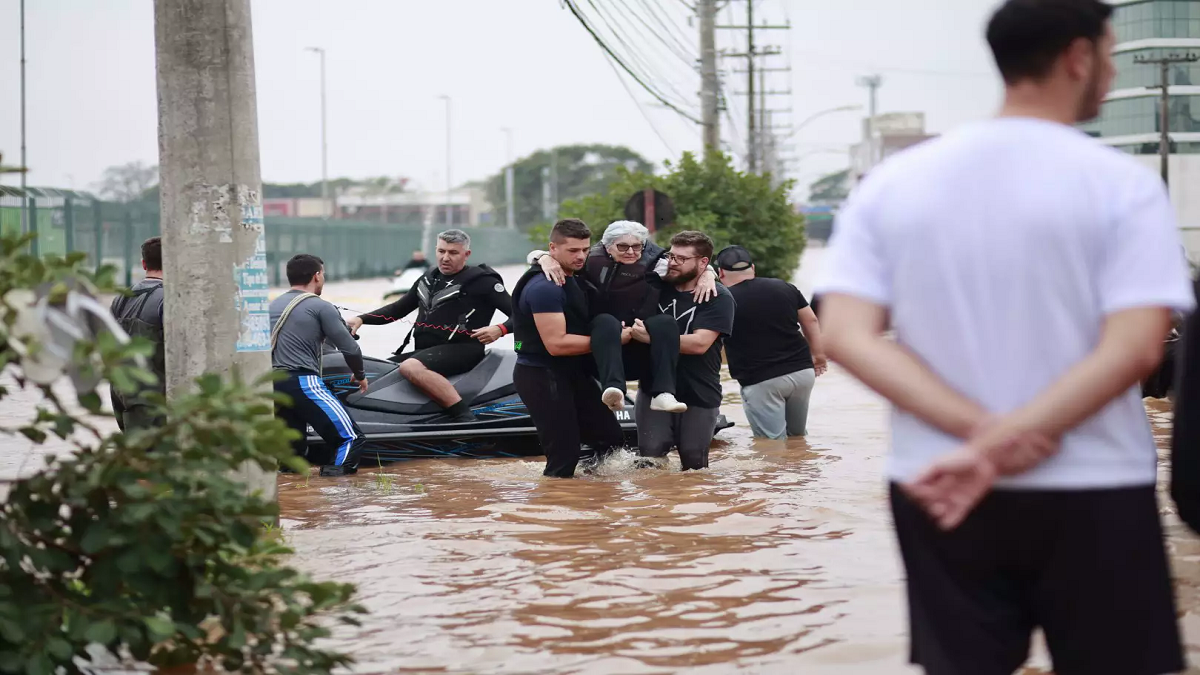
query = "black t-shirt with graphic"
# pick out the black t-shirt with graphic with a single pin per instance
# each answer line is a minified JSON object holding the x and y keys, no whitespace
{"x":767,"y":341}
{"x":698,"y":379}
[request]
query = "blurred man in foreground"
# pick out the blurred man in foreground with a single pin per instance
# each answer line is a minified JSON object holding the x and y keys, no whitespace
{"x":1029,"y":274}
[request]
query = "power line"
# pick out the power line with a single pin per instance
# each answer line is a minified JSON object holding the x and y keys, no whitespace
{"x":646,"y":67}
{"x":671,"y":29}
{"x":854,"y":63}
{"x":640,"y":108}
{"x":608,"y":50}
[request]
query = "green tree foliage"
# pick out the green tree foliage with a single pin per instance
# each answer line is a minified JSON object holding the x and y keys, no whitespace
{"x":128,"y":182}
{"x":712,"y":196}
{"x":142,"y":543}
{"x":582,"y":170}
{"x":831,"y":188}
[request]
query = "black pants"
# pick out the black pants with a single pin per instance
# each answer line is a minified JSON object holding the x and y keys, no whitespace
{"x":313,"y":404}
{"x":132,"y":415}
{"x":656,"y":362}
{"x":454,"y":358}
{"x":1087,"y":566}
{"x":566,"y":409}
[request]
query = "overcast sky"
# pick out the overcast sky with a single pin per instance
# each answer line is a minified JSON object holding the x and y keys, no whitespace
{"x":524,"y":64}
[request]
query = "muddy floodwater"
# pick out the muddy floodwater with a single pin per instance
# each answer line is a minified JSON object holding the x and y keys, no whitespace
{"x":777,"y":559}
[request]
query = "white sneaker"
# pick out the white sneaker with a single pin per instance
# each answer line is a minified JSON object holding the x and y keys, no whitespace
{"x":613,"y":398}
{"x":666,"y":403}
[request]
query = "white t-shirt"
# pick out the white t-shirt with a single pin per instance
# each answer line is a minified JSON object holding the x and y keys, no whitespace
{"x":999,"y":248}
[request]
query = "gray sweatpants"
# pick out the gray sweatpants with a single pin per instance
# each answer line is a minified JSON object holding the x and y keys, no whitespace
{"x":690,"y":431}
{"x":778,"y":407}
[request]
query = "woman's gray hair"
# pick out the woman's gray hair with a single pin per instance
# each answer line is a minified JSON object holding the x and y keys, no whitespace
{"x":623,"y":228}
{"x":456,"y":237}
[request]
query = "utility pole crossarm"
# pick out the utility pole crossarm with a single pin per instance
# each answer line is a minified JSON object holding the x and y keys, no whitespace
{"x":765,"y":51}
{"x":770,"y":92}
{"x":743,"y":71}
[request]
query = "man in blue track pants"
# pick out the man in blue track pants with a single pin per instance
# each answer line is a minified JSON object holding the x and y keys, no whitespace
{"x":300,"y":324}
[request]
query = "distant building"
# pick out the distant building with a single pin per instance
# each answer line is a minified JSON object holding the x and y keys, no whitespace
{"x":883,"y":136}
{"x":468,"y":206}
{"x":1130,"y":117}
{"x":295,"y":207}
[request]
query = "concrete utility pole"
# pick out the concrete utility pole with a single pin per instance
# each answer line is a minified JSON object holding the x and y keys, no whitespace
{"x":509,"y":208}
{"x":1164,"y":121}
{"x":709,"y":83}
{"x":214,"y":248}
{"x":325,"y":210}
{"x":751,"y":128}
{"x":449,"y":180}
{"x":753,"y":106}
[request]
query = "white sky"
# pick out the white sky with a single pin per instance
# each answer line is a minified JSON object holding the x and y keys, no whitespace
{"x":524,"y":64}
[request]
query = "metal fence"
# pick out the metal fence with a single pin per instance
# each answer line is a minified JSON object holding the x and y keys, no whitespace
{"x":112,"y":233}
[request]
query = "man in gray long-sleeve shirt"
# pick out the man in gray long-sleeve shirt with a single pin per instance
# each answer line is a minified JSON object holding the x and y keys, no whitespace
{"x":300,"y":324}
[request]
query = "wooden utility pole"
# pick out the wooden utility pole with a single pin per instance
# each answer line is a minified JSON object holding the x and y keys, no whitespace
{"x":1164,"y":120}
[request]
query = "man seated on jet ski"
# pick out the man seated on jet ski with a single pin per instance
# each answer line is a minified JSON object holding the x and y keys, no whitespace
{"x":625,"y":268}
{"x":452,"y":300}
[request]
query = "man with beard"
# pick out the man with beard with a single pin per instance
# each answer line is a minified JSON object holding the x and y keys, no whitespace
{"x":301,"y":322}
{"x":1028,"y":274}
{"x":702,"y":329}
{"x":455,"y":303}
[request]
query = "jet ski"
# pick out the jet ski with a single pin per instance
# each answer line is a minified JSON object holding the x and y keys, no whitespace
{"x":404,"y":280}
{"x":400,"y":422}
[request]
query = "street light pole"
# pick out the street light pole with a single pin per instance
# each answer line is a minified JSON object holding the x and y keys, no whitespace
{"x":510,"y":220}
{"x":324,"y":139}
{"x":24,"y":160}
{"x":449,"y":182}
{"x":818,"y":115}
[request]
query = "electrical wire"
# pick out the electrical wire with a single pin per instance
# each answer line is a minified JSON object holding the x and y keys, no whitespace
{"x":641,"y":108}
{"x":609,"y":20}
{"x":672,"y":30}
{"x":574,"y":8}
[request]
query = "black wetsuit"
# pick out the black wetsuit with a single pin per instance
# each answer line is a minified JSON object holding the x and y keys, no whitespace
{"x":449,"y":309}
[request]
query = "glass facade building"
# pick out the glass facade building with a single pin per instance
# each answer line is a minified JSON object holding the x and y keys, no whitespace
{"x":1130,"y":117}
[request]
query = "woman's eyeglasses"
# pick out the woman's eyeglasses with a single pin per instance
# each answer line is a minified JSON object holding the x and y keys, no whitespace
{"x":626,"y":248}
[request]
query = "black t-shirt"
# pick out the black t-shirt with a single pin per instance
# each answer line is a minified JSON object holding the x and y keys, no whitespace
{"x":698,"y":379}
{"x":540,"y":296}
{"x":766,"y":340}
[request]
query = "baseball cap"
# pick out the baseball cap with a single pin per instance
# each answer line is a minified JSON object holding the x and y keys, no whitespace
{"x":734,"y":259}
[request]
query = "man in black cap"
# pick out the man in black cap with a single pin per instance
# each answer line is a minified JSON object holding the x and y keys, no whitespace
{"x":774,"y":362}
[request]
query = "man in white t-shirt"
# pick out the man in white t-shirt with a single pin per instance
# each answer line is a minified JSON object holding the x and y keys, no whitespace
{"x":1029,"y":274}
